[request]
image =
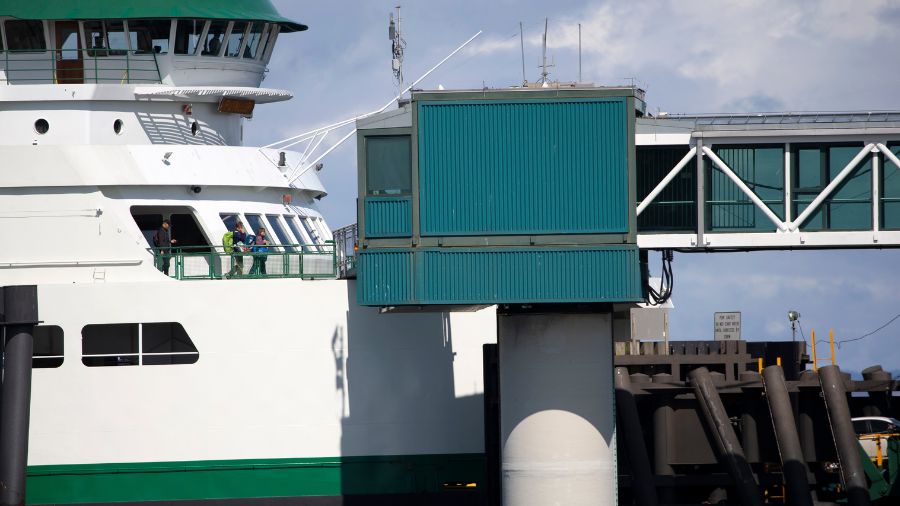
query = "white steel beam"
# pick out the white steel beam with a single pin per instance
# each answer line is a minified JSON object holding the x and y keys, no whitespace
{"x":744,"y":188}
{"x":831,"y":187}
{"x":666,"y":180}
{"x":889,"y":154}
{"x":876,"y":193}
{"x":788,"y":186}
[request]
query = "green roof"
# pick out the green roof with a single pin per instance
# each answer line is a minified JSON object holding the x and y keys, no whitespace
{"x":257,"y":10}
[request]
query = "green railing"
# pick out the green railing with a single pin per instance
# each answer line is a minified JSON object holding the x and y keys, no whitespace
{"x":317,"y":261}
{"x":76,"y":66}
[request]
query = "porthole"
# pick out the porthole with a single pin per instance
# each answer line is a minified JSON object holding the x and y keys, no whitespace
{"x":195,"y":127}
{"x":41,"y":126}
{"x":118,"y":126}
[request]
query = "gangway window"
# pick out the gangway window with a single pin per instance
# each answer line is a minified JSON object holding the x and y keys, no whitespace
{"x":187,"y":35}
{"x":48,"y":347}
{"x":388,"y":165}
{"x":132,"y":344}
{"x":25,"y":35}
{"x":675,"y":209}
{"x":890,"y":191}
{"x":761,"y":168}
{"x":149,"y":35}
{"x":849,"y":206}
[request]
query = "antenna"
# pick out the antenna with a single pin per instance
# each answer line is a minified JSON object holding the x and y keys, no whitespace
{"x":544,"y":65}
{"x":398,"y":45}
{"x":579,"y":52}
{"x":522,"y":43}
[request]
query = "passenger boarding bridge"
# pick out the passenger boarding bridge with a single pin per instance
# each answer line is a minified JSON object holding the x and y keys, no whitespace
{"x":768,"y":181}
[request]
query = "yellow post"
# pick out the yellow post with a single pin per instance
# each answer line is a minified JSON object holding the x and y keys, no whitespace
{"x":759,"y":364}
{"x":831,"y":340}
{"x":778,"y":361}
{"x":813,"y":338}
{"x":879,"y":457}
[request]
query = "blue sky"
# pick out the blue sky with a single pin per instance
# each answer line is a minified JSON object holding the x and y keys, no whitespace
{"x":690,"y":56}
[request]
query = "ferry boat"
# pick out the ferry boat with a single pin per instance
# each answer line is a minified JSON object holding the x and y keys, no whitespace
{"x":197,"y":373}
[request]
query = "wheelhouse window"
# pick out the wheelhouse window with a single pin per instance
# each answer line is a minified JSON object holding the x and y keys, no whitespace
{"x":187,"y":35}
{"x":116,"y":38}
{"x":105,"y":38}
{"x":215,"y":38}
{"x":236,"y":39}
{"x":254,"y":37}
{"x":25,"y":35}
{"x":149,"y":35}
{"x":270,"y":42}
{"x":388,"y":165}
{"x":48,"y":347}
{"x":131,"y":344}
{"x":301,"y":237}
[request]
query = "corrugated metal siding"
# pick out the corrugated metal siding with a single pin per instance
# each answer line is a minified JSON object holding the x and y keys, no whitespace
{"x":491,"y":276}
{"x":523,"y":167}
{"x":385,"y":278}
{"x":388,"y":216}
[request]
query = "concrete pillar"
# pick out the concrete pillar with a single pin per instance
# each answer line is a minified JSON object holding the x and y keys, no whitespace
{"x":557,"y":419}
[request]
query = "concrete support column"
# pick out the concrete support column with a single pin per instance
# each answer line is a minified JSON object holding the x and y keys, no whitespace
{"x":557,"y":418}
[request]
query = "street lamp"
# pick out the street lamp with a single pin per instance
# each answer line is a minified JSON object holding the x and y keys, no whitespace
{"x":793,"y":316}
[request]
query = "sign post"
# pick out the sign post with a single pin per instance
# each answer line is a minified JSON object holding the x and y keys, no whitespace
{"x":727,"y":326}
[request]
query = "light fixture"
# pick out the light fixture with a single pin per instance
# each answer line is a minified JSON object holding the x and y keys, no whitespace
{"x":793,"y":315}
{"x":319,"y":166}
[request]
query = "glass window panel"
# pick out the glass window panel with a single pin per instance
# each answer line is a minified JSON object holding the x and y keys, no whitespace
{"x":761,"y":168}
{"x":279,"y":231}
{"x":115,"y":36}
{"x":166,"y":344}
{"x":256,"y":223}
{"x":270,"y":42}
{"x":95,"y":36}
{"x":675,"y":207}
{"x":48,"y":347}
{"x":388,"y":165}
{"x":253,"y":40}
{"x":187,"y":35}
{"x":849,"y":205}
{"x":292,"y":223}
{"x":25,"y":35}
{"x":149,"y":35}
{"x":890,"y":191}
{"x":118,"y":343}
{"x":235,"y":38}
{"x":67,"y":41}
{"x":215,"y":37}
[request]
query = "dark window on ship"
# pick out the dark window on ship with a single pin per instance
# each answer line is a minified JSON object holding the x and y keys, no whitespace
{"x":105,"y":38}
{"x":184,"y":227}
{"x":115,"y":35}
{"x":166,"y":344}
{"x":112,"y":344}
{"x":388,"y":165}
{"x":48,"y":347}
{"x":215,"y":38}
{"x":149,"y":35}
{"x":187,"y":35}
{"x":253,"y":40}
{"x":126,"y":344}
{"x":23,"y":35}
{"x":256,"y":223}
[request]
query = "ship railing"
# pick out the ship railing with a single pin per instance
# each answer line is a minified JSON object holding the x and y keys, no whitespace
{"x":306,"y":261}
{"x":79,"y":66}
{"x":346,"y":245}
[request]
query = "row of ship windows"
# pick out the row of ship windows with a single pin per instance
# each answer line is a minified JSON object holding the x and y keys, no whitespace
{"x":118,"y":344}
{"x":253,"y":40}
{"x":42,"y":126}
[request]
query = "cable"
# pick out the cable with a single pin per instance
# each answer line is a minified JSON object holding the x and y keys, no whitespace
{"x":802,"y":333}
{"x":860,"y":338}
{"x":666,"y":281}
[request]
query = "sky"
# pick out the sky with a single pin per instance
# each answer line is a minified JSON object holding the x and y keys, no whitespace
{"x":691,"y":57}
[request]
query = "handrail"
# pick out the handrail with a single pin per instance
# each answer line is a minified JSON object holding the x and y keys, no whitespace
{"x":108,"y":66}
{"x":307,"y":261}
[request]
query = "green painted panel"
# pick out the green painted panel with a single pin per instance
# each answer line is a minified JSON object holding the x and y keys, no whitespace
{"x":257,"y":10}
{"x":385,"y":277}
{"x":849,"y":207}
{"x":235,"y":479}
{"x":513,"y":167}
{"x":503,"y":275}
{"x":388,"y":217}
{"x":761,"y":168}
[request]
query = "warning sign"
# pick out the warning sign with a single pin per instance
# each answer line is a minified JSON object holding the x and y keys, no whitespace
{"x":727,"y":326}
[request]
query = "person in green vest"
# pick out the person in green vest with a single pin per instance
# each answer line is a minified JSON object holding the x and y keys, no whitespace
{"x":233,"y":243}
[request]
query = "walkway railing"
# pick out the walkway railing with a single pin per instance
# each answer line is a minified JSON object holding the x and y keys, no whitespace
{"x":280,"y":261}
{"x":76,"y":66}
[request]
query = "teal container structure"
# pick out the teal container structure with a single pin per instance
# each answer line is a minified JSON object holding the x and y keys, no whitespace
{"x":506,"y":196}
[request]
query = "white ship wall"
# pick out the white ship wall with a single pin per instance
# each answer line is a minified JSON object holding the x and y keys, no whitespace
{"x":287,"y":368}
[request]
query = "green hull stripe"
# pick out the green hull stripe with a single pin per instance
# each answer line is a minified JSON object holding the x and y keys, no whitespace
{"x":233,"y":479}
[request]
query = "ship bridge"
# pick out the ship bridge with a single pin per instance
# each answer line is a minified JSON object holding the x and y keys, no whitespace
{"x":768,"y":181}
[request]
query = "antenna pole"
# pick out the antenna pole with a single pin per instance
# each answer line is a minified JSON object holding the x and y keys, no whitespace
{"x":544,"y":73}
{"x":579,"y":52}
{"x":522,"y":43}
